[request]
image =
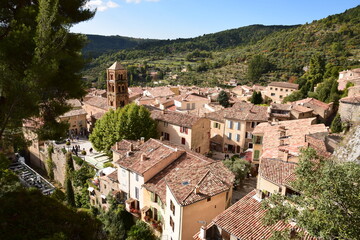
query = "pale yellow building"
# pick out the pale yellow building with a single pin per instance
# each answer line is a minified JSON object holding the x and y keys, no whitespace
{"x":189,"y":131}
{"x":231,"y":128}
{"x":169,"y":187}
{"x":277,"y":91}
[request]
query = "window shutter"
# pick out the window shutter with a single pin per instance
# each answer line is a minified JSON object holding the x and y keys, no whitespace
{"x":256,"y":154}
{"x":152,"y":197}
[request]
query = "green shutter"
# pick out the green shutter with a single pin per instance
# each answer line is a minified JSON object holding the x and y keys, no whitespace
{"x":152,"y":197}
{"x":256,"y":154}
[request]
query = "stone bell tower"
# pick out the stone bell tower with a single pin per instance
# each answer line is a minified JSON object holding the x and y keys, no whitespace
{"x":117,"y":86}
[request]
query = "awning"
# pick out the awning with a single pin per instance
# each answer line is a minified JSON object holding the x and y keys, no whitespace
{"x":130,"y":200}
{"x":145,"y":209}
{"x":91,"y":189}
{"x":103,"y":196}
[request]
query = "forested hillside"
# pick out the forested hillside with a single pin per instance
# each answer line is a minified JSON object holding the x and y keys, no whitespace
{"x":213,"y":59}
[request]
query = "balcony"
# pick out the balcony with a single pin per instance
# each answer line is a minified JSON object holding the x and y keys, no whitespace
{"x":132,"y":206}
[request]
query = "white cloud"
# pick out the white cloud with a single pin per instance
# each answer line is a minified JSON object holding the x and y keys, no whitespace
{"x":139,"y":1}
{"x":101,"y":5}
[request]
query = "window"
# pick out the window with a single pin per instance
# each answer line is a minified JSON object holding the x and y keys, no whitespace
{"x":166,"y":136}
{"x":136,"y":177}
{"x":166,"y":124}
{"x":230,"y":124}
{"x":188,"y":106}
{"x":253,"y":124}
{"x":136,"y":193}
{"x":272,"y":94}
{"x":256,"y":154}
{"x":229,"y":135}
{"x":123,"y":88}
{"x":183,"y":141}
{"x":193,"y":106}
{"x":281,"y":89}
{"x":119,"y":89}
{"x":208,"y":199}
{"x":257,"y":139}
{"x":250,"y":145}
{"x":172,"y":224}
{"x":184,"y":130}
{"x":104,"y":186}
{"x":271,"y":88}
{"x":280,"y":96}
{"x":286,"y":90}
{"x":248,"y":135}
{"x":197,"y":150}
{"x":275,"y":89}
{"x":217,"y":125}
{"x":238,"y":137}
{"x":237,"y":125}
{"x":172,"y":207}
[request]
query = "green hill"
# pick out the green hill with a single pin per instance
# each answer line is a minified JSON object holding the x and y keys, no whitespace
{"x":214,"y":58}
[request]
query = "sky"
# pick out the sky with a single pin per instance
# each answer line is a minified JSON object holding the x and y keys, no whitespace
{"x":171,"y":19}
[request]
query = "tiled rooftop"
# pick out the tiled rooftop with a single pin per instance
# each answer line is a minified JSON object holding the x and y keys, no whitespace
{"x":355,"y":99}
{"x":276,"y":170}
{"x":241,"y":111}
{"x":144,"y":156}
{"x":175,"y":118}
{"x":286,"y":135}
{"x":312,"y":101}
{"x":284,"y":85}
{"x":244,"y":221}
{"x":74,"y":112}
{"x":99,"y":102}
{"x":189,"y":171}
{"x":160,"y":92}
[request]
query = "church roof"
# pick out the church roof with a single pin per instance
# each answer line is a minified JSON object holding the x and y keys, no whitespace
{"x":116,"y":66}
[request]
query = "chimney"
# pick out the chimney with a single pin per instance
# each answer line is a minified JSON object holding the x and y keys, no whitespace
{"x":131,"y":147}
{"x":117,"y":146}
{"x":161,"y":138}
{"x":142,"y":140}
{"x":197,"y":190}
{"x":143,"y":157}
{"x":202,"y":234}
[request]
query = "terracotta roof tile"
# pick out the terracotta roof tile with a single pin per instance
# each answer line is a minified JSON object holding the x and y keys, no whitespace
{"x":74,"y":112}
{"x":284,"y":85}
{"x":276,"y":170}
{"x":355,"y":99}
{"x":307,"y":102}
{"x":244,"y":221}
{"x":99,"y":102}
{"x":176,"y":118}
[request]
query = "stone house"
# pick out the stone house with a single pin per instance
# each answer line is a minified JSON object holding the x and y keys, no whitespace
{"x":189,"y":131}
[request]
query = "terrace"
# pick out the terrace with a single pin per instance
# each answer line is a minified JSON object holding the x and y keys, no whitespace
{"x":30,"y":178}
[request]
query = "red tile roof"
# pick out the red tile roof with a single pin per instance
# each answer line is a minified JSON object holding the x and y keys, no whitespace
{"x":312,"y":101}
{"x":244,"y":221}
{"x":241,"y":111}
{"x":176,"y":118}
{"x":284,"y":85}
{"x":189,"y":171}
{"x":276,"y":170}
{"x":355,"y":99}
{"x":99,"y":102}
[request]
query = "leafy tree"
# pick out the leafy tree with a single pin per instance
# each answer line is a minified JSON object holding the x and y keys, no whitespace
{"x":38,"y":83}
{"x":8,"y":180}
{"x":317,"y":69}
{"x":70,"y":196}
{"x":141,"y":231}
{"x":336,"y":125}
{"x":31,"y":215}
{"x":328,"y":204}
{"x":117,"y":221}
{"x":223,"y":99}
{"x":239,"y":167}
{"x":258,"y":65}
{"x":294,"y":96}
{"x":256,"y":98}
{"x":131,"y":122}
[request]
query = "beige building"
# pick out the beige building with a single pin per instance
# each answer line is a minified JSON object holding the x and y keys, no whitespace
{"x":320,"y":109}
{"x":189,"y":131}
{"x":282,"y":112}
{"x":346,"y":76}
{"x":277,"y":91}
{"x":349,"y":109}
{"x":188,"y":102}
{"x":171,"y":188}
{"x":231,"y":128}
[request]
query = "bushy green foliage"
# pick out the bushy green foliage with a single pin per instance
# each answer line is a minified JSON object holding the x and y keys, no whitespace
{"x":50,"y":163}
{"x":117,"y":221}
{"x":328,"y":204}
{"x":240,"y":168}
{"x":141,"y":231}
{"x":257,"y":66}
{"x":336,"y":125}
{"x":256,"y":98}
{"x":48,"y":72}
{"x":31,"y":215}
{"x":8,"y":180}
{"x":131,"y":122}
{"x":223,"y":99}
